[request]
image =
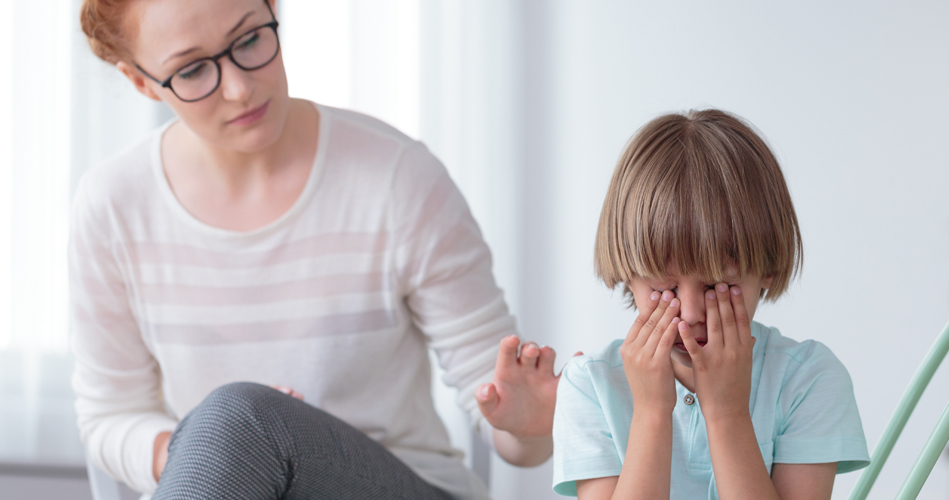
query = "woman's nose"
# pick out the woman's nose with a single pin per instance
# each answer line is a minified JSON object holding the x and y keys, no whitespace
{"x":692,"y":309}
{"x":235,"y":82}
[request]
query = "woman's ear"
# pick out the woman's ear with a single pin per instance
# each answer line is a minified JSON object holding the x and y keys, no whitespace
{"x":138,"y":80}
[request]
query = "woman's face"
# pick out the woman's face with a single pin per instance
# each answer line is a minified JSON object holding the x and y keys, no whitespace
{"x":248,"y":110}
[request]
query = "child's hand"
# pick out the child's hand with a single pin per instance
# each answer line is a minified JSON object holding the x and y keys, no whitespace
{"x":646,"y":352}
{"x":722,"y":369}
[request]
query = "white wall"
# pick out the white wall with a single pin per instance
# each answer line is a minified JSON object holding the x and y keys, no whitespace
{"x":853,"y":96}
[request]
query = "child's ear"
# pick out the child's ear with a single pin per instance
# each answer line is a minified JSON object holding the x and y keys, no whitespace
{"x":766,"y":281}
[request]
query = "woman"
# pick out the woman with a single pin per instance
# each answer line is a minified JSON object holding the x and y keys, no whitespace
{"x":267,"y":239}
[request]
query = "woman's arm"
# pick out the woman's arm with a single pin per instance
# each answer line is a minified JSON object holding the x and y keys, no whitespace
{"x":116,"y":380}
{"x":519,"y":402}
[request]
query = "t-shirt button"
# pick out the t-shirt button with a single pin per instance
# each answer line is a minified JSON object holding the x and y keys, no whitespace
{"x":689,"y":399}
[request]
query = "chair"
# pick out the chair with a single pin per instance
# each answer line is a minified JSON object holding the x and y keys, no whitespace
{"x":105,"y":488}
{"x":934,"y":445}
{"x":102,"y":485}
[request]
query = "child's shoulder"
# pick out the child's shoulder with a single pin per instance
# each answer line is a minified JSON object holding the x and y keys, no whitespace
{"x":775,"y":347}
{"x":604,"y":358}
{"x":788,"y":365}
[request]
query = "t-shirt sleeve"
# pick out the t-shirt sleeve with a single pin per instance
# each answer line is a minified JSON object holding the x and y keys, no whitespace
{"x":821,"y":423}
{"x":583,"y":443}
{"x":445,"y":269}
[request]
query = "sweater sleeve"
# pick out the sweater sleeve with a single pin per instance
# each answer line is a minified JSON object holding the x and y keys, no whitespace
{"x":446,"y":273}
{"x":116,"y":379}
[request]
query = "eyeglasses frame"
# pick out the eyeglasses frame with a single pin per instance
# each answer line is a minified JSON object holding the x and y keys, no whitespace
{"x":214,"y":59}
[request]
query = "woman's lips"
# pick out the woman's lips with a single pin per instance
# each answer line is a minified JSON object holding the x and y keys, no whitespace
{"x":251,"y":116}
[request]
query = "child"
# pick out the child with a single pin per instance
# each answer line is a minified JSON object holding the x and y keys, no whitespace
{"x":697,"y":226}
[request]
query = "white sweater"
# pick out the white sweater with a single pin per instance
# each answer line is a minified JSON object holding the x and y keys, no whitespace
{"x":340,"y":298}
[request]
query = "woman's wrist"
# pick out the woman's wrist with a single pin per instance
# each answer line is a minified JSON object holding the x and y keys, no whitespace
{"x":160,"y":454}
{"x":523,"y":451}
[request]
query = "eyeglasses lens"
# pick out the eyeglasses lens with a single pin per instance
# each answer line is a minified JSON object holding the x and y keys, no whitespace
{"x":251,"y":51}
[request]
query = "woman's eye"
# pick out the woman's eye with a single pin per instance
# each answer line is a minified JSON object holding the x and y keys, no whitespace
{"x":193,"y":71}
{"x":249,"y":42}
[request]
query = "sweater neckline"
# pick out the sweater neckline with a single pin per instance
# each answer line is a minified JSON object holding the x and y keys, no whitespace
{"x":183,"y":214}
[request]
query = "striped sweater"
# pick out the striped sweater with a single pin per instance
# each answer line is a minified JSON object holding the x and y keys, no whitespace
{"x":378,"y":261}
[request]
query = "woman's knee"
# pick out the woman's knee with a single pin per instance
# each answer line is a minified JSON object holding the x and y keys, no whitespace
{"x":236,"y":405}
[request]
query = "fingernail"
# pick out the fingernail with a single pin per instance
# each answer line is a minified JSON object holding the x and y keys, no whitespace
{"x":285,"y":390}
{"x":654,"y":296}
{"x":675,"y":320}
{"x":667,"y":295}
{"x":484,"y":391}
{"x":682,"y":326}
{"x":710,"y":295}
{"x":721,"y":287}
{"x":674,"y":303}
{"x":736,"y":290}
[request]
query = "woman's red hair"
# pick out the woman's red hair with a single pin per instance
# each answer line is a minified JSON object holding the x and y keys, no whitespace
{"x":105,"y":25}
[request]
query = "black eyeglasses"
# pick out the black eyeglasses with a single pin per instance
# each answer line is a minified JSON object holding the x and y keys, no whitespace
{"x":199,"y":79}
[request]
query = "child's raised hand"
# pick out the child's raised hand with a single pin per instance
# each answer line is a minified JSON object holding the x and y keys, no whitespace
{"x":646,"y":352}
{"x":722,"y":369}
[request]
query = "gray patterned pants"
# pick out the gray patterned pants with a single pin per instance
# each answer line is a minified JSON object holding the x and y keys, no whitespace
{"x":250,"y":442}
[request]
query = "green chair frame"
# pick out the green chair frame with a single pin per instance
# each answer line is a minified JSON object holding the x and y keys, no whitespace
{"x":934,"y":445}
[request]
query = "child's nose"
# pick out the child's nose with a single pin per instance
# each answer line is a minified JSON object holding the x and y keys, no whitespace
{"x":692,"y":308}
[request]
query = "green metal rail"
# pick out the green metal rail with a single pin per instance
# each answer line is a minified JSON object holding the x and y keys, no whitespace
{"x":937,"y":440}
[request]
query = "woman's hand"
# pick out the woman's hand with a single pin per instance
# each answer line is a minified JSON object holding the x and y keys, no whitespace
{"x":288,"y":391}
{"x":160,"y":454}
{"x":519,"y":402}
{"x":520,"y":399}
{"x":646,"y":355}
{"x":722,"y":369}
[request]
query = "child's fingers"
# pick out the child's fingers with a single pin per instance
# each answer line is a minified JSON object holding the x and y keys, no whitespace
{"x":695,"y":350}
{"x":670,"y":317}
{"x":712,"y":319}
{"x":741,"y":316}
{"x":646,"y":312}
{"x":668,"y":338}
{"x":669,"y":305}
{"x":729,"y":327}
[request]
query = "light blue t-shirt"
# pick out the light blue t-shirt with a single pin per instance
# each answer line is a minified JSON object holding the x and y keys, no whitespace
{"x":802,"y":407}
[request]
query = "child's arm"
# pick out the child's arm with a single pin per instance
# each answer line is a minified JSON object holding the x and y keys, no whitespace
{"x":722,"y":371}
{"x":646,"y":471}
{"x":804,"y":481}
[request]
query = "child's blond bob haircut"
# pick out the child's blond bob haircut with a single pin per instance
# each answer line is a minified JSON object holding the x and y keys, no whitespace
{"x":700,"y":190}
